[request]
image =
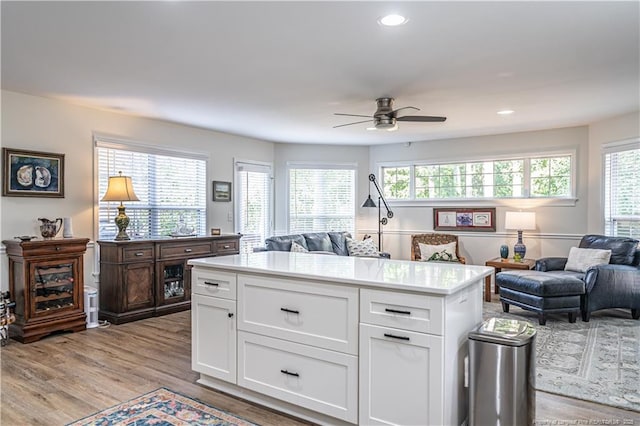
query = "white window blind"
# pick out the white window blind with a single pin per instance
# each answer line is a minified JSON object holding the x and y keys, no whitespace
{"x":622,"y":189}
{"x":322,"y":198}
{"x":253,"y":204}
{"x":172,"y":189}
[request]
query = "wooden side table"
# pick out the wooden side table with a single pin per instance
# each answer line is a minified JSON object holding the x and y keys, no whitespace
{"x":499,"y":264}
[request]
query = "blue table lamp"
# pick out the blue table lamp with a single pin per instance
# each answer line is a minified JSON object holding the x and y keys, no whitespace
{"x":520,"y":221}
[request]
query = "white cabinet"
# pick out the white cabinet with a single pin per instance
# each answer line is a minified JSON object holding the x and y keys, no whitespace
{"x":337,"y":351}
{"x":213,"y":324}
{"x":401,"y":377}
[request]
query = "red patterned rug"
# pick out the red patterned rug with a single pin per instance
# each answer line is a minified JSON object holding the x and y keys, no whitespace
{"x":162,"y":407}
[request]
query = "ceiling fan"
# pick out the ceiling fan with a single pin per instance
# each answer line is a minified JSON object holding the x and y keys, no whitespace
{"x":386,"y":118}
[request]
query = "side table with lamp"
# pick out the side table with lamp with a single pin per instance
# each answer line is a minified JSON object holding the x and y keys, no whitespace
{"x":519,"y":221}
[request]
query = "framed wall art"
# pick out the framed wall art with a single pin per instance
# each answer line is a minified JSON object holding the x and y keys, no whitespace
{"x":464,"y":219}
{"x":32,"y":173}
{"x":221,"y":191}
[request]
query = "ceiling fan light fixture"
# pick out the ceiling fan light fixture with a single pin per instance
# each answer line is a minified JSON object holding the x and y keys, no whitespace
{"x":392,"y":20}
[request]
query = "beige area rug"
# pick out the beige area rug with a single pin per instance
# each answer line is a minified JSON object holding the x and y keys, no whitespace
{"x":596,"y":361}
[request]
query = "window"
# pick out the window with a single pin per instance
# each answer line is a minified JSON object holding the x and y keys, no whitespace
{"x":171,"y":186}
{"x":621,"y":189}
{"x":548,"y":176}
{"x":253,"y":204}
{"x":322,"y":198}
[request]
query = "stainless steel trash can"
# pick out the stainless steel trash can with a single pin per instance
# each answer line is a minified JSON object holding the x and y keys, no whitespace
{"x":502,"y":373}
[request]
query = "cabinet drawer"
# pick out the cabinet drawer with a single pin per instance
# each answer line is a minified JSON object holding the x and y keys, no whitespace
{"x":226,"y":247}
{"x":316,"y":314}
{"x":213,"y":283}
{"x":185,"y":249}
{"x":420,"y":313}
{"x":313,"y":378}
{"x":137,"y":253}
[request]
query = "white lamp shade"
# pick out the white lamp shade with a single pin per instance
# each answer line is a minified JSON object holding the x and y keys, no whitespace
{"x":520,"y":221}
{"x":120,"y":189}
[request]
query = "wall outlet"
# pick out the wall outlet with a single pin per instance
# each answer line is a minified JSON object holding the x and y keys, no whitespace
{"x":230,"y":217}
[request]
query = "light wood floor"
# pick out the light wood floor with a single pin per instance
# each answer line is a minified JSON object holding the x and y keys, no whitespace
{"x":65,"y":377}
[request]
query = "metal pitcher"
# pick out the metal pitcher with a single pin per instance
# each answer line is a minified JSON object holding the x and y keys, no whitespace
{"x":50,"y":228}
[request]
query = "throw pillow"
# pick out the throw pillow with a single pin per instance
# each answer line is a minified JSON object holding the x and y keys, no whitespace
{"x":445,"y":252}
{"x":365,"y":248}
{"x":297,"y":248}
{"x":581,"y":259}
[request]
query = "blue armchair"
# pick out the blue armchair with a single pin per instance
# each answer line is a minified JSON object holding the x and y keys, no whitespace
{"x":616,"y":285}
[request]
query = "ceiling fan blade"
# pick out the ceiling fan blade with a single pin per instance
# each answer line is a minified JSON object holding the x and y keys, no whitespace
{"x":352,"y":115}
{"x":394,"y":113}
{"x":349,"y":124}
{"x":422,"y":118}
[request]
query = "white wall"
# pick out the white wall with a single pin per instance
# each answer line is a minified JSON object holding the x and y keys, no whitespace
{"x":615,"y":129}
{"x":41,"y":124}
{"x":53,"y":126}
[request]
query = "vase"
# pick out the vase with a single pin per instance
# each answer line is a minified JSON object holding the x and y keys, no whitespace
{"x":504,"y":251}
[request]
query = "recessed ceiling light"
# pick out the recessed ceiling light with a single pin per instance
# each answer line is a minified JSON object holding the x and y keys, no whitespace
{"x":392,"y":20}
{"x":506,"y":112}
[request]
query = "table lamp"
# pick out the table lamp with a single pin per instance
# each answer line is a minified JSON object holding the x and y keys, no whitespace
{"x":520,"y":221}
{"x":120,"y":189}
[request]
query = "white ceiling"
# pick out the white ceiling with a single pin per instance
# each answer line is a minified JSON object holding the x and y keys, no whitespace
{"x":279,"y":70}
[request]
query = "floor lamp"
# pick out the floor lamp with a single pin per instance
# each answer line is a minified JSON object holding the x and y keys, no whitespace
{"x":370,"y":203}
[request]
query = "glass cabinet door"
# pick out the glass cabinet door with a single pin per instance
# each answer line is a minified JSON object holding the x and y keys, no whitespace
{"x":54,"y":287}
{"x":174,"y":282}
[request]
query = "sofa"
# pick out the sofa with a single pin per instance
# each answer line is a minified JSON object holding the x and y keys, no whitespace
{"x":319,"y":242}
{"x":556,"y":287}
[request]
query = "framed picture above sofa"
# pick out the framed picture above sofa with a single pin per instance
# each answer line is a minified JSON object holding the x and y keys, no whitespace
{"x":464,"y":219}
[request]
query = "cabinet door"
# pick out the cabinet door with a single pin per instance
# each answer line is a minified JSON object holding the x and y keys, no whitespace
{"x":173,"y":282}
{"x":213,"y":337}
{"x":54,"y":288}
{"x":401,"y":377}
{"x":138,"y":286}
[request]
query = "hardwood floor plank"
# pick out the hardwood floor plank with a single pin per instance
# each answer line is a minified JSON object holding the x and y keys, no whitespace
{"x":66,"y":377}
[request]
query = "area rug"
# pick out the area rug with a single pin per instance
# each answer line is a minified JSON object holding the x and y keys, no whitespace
{"x":596,"y":361}
{"x":162,"y":407}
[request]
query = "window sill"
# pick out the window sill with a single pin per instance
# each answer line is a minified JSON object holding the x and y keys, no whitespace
{"x":507,"y":202}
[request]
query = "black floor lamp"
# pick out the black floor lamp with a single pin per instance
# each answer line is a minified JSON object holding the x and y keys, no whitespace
{"x":370,"y":203}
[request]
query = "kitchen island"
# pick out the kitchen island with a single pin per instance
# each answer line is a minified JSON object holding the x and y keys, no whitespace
{"x":337,"y":339}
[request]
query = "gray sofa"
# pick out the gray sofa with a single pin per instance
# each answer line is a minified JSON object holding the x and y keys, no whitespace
{"x":335,"y":242}
{"x":552,"y":289}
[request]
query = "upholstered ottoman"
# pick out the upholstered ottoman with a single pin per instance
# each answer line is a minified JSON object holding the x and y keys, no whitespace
{"x":541,"y":292}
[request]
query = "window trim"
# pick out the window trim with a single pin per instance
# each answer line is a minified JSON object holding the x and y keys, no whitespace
{"x":319,"y":165}
{"x":483,"y":202}
{"x":612,"y":148}
{"x":267,"y":167}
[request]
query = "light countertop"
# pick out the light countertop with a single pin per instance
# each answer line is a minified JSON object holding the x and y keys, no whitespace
{"x":424,"y":277}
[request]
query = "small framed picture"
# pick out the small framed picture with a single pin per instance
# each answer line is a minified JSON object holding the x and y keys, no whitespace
{"x":32,"y":173}
{"x":464,"y":219}
{"x":215,"y":231}
{"x":221,"y":191}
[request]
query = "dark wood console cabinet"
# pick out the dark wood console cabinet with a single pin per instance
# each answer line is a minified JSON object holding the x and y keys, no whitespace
{"x":46,"y":280}
{"x":145,"y":278}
